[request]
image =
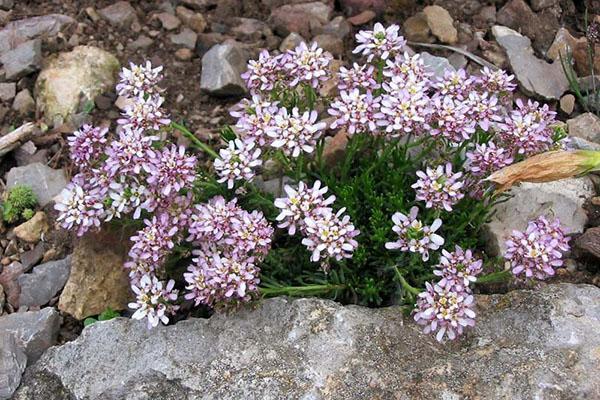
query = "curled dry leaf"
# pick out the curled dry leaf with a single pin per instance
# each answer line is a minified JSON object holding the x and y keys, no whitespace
{"x":546,"y":167}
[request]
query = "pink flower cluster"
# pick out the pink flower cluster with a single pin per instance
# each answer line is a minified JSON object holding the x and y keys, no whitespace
{"x":439,"y":188}
{"x":413,"y":235}
{"x":137,"y":175}
{"x":447,"y":306}
{"x":302,"y":65}
{"x":327,"y":234}
{"x":537,"y":251}
{"x":230,"y":241}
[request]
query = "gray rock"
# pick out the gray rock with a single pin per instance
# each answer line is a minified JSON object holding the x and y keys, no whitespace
{"x":6,"y":4}
{"x":34,"y":331}
{"x":120,"y":14}
{"x":45,"y":182}
{"x":330,"y":43}
{"x":536,"y":77}
{"x":526,"y":344}
{"x":563,"y":199}
{"x":12,"y":364}
{"x":142,"y":42}
{"x":305,"y":19}
{"x":186,"y":38}
{"x":249,"y":29}
{"x":2,"y":299}
{"x":33,"y":256}
{"x":222,"y":66}
{"x":538,"y":5}
{"x":7,"y":91}
{"x":20,"y":31}
{"x":585,"y":126}
{"x":23,"y":60}
{"x":24,"y":103}
{"x":337,"y":27}
{"x":72,"y":79}
{"x":291,"y":41}
{"x":46,"y":280}
{"x":168,"y":20}
{"x":436,"y":65}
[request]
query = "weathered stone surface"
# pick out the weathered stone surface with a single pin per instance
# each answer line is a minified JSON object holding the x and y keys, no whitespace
{"x":250,"y":29}
{"x":417,"y":29}
{"x":186,"y":38}
{"x":540,"y":28}
{"x":6,"y":4}
{"x":563,"y":199}
{"x":194,"y":20}
{"x":142,"y":42}
{"x":436,"y":65}
{"x":330,"y":43}
{"x":32,"y":230}
{"x":2,"y":299}
{"x":362,"y":18}
{"x":40,"y":286}
{"x":12,"y":364}
{"x":300,"y":18}
{"x":168,"y":21}
{"x":337,"y":27}
{"x":120,"y":14}
{"x":291,"y":41}
{"x":536,"y":77}
{"x":222,"y":66}
{"x":34,"y":331}
{"x":98,"y":279}
{"x":8,"y":90}
{"x":526,"y":344}
{"x":440,"y":23}
{"x":20,"y":31}
{"x":585,"y":126}
{"x":24,"y":103}
{"x":23,"y":60}
{"x":45,"y":182}
{"x":567,"y":103}
{"x":9,"y":281}
{"x":72,"y":79}
{"x":589,"y":242}
{"x":353,"y":7}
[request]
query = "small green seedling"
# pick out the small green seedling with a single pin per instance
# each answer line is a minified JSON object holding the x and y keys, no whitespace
{"x":20,"y":204}
{"x":106,"y":315}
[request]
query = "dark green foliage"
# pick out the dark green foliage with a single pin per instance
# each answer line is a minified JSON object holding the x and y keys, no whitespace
{"x":372,"y":183}
{"x":106,"y":315}
{"x":19,"y":204}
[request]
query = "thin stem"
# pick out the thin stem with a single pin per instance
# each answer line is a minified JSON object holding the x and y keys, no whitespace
{"x":197,"y":142}
{"x":405,"y":285}
{"x":300,"y":290}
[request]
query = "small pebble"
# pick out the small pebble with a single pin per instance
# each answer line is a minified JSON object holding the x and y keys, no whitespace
{"x":184,"y":54}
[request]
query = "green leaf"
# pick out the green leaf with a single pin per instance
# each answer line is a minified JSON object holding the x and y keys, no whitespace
{"x":89,"y":321}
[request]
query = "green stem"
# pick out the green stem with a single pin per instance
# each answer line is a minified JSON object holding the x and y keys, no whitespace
{"x":405,"y":285}
{"x":197,"y":142}
{"x":300,"y":290}
{"x":495,"y":277}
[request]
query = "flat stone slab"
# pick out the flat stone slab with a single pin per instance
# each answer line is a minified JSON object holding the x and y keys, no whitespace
{"x":527,"y":344}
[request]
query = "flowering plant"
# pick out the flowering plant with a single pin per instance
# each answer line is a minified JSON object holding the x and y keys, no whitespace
{"x":402,"y":208}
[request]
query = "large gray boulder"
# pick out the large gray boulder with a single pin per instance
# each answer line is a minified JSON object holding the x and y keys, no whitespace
{"x":526,"y":344}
